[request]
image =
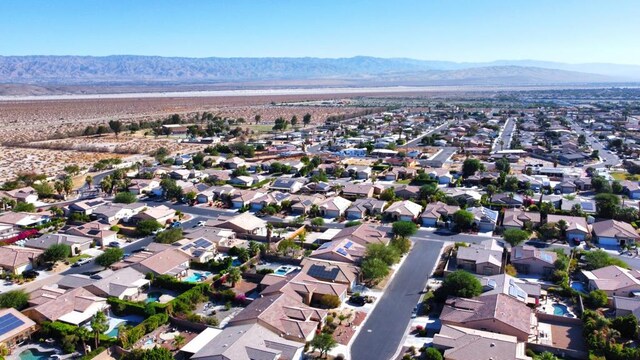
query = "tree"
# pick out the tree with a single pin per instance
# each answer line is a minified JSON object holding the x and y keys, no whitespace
{"x":17,"y":299}
{"x":306,"y":119}
{"x":607,"y":205}
{"x":72,"y":169}
{"x":470,"y":166}
{"x":598,"y":298}
{"x":169,"y":236}
{"x":89,"y":181}
{"x":388,"y":194}
{"x":57,"y":252}
{"x":402,"y":244}
{"x":596,"y":259}
{"x":83,"y":335}
{"x":461,"y":284}
{"x":233,"y":276}
{"x":404,"y":229}
{"x":432,"y":354}
{"x":106,"y":184}
{"x":626,"y":325}
{"x":67,"y":182}
{"x":257,"y":118}
{"x":600,"y":184}
{"x":374,"y":269}
{"x":463,"y":219}
{"x":616,"y":187}
{"x":318,"y":221}
{"x":548,"y":231}
{"x":511,"y":183}
{"x":59,"y":186}
{"x":99,"y":324}
{"x":388,"y":254}
{"x":546,"y":356}
{"x":147,"y":227}
{"x":515,"y":237}
{"x":294,"y":120}
{"x":109,"y":256}
{"x":24,"y":207}
{"x":157,"y":353}
{"x":125,"y":198}
{"x":562,"y":227}
{"x":116,"y":126}
{"x":178,"y":341}
{"x":323,"y":342}
{"x":503,"y":165}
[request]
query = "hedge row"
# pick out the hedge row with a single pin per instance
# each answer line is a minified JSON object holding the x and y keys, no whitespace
{"x":125,"y":307}
{"x":58,"y":330}
{"x":148,"y":325}
{"x":171,"y":283}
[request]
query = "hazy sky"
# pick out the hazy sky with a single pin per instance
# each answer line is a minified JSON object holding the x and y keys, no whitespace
{"x":472,"y":30}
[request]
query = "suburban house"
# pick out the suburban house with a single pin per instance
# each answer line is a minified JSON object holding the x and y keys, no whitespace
{"x":143,"y":186}
{"x":24,"y":195}
{"x":242,"y":180}
{"x":407,"y":192}
{"x":613,"y":280}
{"x":233,"y":163}
{"x":243,"y":198}
{"x":359,"y":172}
{"x":23,"y":219}
{"x":78,"y":244}
{"x":354,"y":191}
{"x":306,"y":288}
{"x":586,"y":205}
{"x":483,"y":259}
{"x":566,"y":187}
{"x":363,"y":207}
{"x":271,"y":198}
{"x":631,"y":188}
{"x":497,"y":313}
{"x":75,"y":307}
{"x":125,"y":284}
{"x":518,"y":219}
{"x":284,"y":315}
{"x":161,"y":214}
{"x":577,"y":227}
{"x":98,"y":231}
{"x":112,"y":213}
{"x":331,"y":271}
{"x":168,"y":262}
{"x":245,"y":223}
{"x":530,"y":260}
{"x":17,"y":328}
{"x":526,"y":292}
{"x":16,"y":259}
{"x":626,"y":306}
{"x":507,"y":199}
{"x":214,"y":193}
{"x":334,"y":207}
{"x":484,"y":219}
{"x":302,"y":204}
{"x":614,"y":233}
{"x":246,"y":342}
{"x":461,"y":343}
{"x":363,"y":234}
{"x":287,"y":185}
{"x":343,"y":250}
{"x":443,"y":176}
{"x":437,"y":211}
{"x":405,"y":210}
{"x":86,"y":206}
{"x":462,"y":195}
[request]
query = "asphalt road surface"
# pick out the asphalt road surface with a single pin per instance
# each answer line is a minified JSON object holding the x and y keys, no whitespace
{"x":505,"y":135}
{"x":384,"y":329}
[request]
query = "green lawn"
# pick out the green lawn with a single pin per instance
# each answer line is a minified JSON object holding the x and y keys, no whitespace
{"x":619,"y":175}
{"x":74,"y":259}
{"x":404,"y":182}
{"x":259,"y":128}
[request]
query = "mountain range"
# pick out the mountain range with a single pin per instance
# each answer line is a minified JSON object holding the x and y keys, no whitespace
{"x":360,"y":70}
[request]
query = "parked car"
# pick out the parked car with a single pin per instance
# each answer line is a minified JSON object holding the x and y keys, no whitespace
{"x":81,"y":262}
{"x":30,"y":274}
{"x":176,"y":224}
{"x":114,"y":244}
{"x":200,"y":224}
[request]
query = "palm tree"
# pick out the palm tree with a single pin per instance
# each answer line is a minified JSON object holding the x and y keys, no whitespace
{"x":562,"y":226}
{"x":59,"y":186}
{"x":178,"y":341}
{"x":83,"y":334}
{"x":234,"y":275}
{"x":99,"y":324}
{"x":106,"y":184}
{"x":88,"y":180}
{"x":269,"y":231}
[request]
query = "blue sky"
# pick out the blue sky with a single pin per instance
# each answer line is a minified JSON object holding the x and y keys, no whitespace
{"x":455,"y":30}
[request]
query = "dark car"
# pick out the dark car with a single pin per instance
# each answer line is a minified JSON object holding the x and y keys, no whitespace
{"x":357,"y":300}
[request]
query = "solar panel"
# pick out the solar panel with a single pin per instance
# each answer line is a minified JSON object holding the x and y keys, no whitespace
{"x":342,"y":252}
{"x":546,"y":257}
{"x":348,"y":245}
{"x":202,"y":243}
{"x":9,"y":322}
{"x":587,"y":206}
{"x":324,"y":246}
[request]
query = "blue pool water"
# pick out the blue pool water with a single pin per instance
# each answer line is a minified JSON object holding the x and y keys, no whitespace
{"x":197,"y":276}
{"x":578,"y":286}
{"x":153,"y":297}
{"x":34,"y":354}
{"x":283,"y":270}
{"x":560,"y":310}
{"x":115,"y":322}
{"x":236,"y":262}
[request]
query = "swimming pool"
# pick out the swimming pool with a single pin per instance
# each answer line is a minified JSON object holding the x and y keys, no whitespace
{"x":153,"y":297}
{"x":197,"y":276}
{"x":560,"y":310}
{"x":284,"y":270}
{"x":35,"y":354}
{"x":115,"y":322}
{"x":578,"y":286}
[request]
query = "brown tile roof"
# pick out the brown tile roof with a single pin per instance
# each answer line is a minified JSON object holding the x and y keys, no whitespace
{"x":363,"y":234}
{"x":16,"y":256}
{"x":615,"y":229}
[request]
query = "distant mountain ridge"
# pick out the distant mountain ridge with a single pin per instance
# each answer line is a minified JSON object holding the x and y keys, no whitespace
{"x":131,"y":69}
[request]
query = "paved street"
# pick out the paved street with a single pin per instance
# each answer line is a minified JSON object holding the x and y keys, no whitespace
{"x":608,"y":158}
{"x":417,"y":140}
{"x":384,"y":329}
{"x":92,"y":267}
{"x":506,"y":136}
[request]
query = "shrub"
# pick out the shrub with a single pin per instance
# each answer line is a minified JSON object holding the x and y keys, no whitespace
{"x":459,"y":283}
{"x":125,"y":198}
{"x":147,"y":227}
{"x":598,"y":298}
{"x":17,"y":299}
{"x":330,"y":301}
{"x":169,"y":236}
